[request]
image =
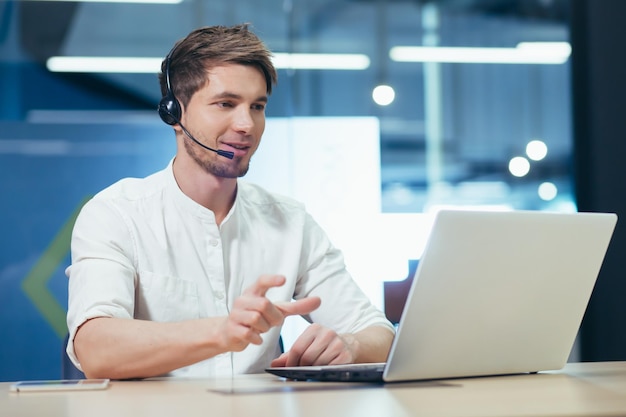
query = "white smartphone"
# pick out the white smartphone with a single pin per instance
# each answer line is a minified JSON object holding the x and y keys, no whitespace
{"x":60,"y":385}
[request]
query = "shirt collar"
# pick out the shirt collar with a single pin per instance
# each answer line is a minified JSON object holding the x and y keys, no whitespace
{"x":189,"y":205}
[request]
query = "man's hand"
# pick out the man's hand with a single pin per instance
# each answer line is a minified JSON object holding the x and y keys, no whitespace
{"x":320,"y":346}
{"x":254,"y":314}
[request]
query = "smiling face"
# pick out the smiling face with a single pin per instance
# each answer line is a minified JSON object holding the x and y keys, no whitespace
{"x":227,"y":113}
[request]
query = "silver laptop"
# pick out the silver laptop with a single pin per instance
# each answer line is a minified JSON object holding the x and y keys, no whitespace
{"x":494,"y":293}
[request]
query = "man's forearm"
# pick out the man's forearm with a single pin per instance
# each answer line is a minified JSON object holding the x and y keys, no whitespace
{"x":124,"y":348}
{"x":373,"y":344}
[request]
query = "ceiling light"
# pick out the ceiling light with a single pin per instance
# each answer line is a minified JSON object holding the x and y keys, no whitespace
{"x":120,"y":1}
{"x":103,"y":64}
{"x":321,"y":61}
{"x":85,"y":64}
{"x":523,"y":53}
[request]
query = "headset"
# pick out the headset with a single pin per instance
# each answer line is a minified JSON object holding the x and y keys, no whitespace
{"x":169,"y":107}
{"x":170,"y":110}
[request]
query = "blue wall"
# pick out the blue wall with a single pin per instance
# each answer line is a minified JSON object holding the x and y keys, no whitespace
{"x":48,"y":171}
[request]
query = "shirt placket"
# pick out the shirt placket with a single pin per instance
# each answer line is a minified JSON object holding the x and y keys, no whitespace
{"x":215,"y":267}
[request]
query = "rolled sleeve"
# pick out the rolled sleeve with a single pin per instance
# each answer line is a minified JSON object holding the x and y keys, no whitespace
{"x":102,"y":275}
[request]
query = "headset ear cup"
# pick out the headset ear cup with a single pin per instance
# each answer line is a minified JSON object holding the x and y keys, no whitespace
{"x":169,"y":109}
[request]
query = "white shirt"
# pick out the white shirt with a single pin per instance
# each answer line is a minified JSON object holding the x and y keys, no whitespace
{"x":142,"y":249}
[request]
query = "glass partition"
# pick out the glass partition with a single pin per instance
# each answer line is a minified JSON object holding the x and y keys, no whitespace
{"x":417,"y":106}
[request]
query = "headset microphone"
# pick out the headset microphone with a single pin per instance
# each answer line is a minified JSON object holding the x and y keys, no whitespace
{"x":170,"y":111}
{"x":226,"y":154}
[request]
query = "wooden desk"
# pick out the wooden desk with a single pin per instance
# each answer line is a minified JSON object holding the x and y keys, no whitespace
{"x":582,"y":389}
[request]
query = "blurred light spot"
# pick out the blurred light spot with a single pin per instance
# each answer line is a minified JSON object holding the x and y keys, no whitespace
{"x":547,"y":191}
{"x":519,"y":166}
{"x":383,"y":95}
{"x":536,"y":150}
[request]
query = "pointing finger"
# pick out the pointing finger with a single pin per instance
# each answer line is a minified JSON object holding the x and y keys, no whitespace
{"x":264,"y":283}
{"x":299,"y":307}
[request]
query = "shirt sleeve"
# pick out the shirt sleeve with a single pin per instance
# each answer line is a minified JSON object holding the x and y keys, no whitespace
{"x":345,"y":308}
{"x":102,"y":274}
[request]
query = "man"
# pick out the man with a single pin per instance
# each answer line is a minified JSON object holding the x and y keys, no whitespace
{"x":190,"y":271}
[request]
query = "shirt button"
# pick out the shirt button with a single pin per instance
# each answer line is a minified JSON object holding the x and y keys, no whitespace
{"x":213,"y":242}
{"x":218,"y":294}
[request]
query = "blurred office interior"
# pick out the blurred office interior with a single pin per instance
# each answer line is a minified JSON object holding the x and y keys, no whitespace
{"x":385,"y":112}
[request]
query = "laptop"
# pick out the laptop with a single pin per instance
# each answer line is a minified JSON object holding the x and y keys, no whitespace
{"x":495,"y":293}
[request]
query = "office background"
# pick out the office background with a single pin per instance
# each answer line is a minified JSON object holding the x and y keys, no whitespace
{"x":456,"y":134}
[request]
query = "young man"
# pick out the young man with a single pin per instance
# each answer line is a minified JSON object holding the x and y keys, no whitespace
{"x":190,"y":271}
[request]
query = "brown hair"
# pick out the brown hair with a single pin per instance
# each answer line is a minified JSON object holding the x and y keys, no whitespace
{"x":207,"y":47}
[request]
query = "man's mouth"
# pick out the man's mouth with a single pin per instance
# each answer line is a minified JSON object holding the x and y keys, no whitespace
{"x":236,"y":146}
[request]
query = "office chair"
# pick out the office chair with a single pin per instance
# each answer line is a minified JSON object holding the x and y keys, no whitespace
{"x":68,"y":370}
{"x":396,"y":293}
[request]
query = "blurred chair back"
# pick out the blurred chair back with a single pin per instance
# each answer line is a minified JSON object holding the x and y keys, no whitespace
{"x":68,"y":370}
{"x":396,"y":292}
